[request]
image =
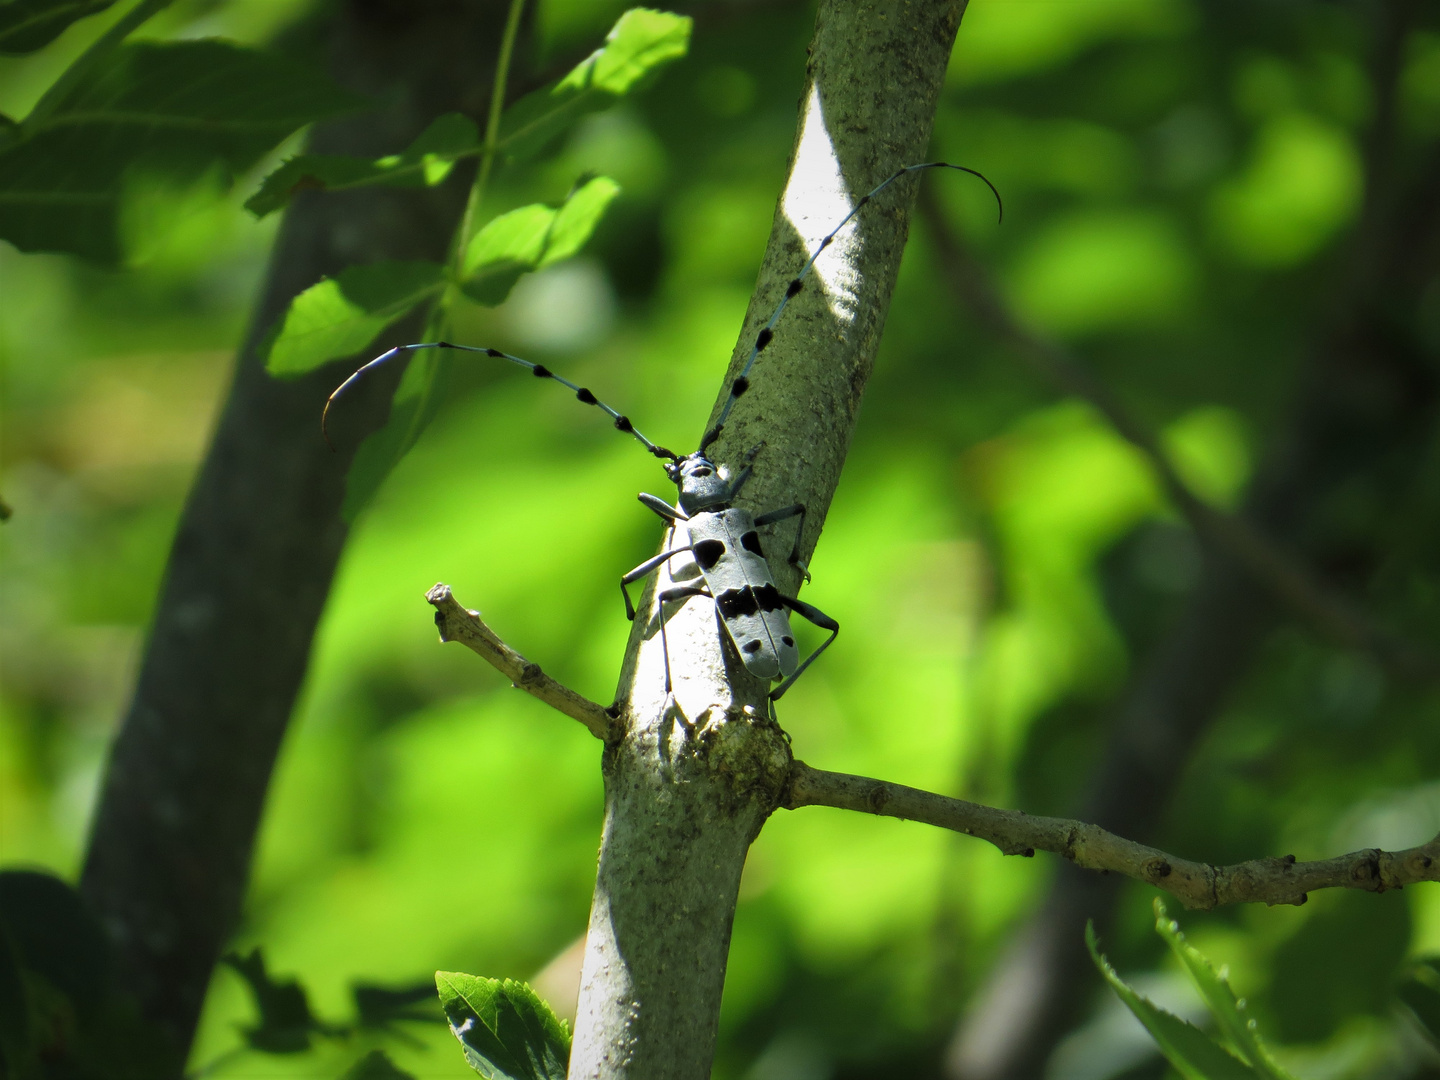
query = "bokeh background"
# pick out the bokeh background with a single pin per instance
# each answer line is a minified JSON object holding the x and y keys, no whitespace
{"x":1184,"y":189}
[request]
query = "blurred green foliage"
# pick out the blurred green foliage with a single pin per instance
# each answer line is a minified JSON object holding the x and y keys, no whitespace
{"x":1178,"y":180}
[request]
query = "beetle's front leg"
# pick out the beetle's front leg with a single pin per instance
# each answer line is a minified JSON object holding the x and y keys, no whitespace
{"x":640,"y":571}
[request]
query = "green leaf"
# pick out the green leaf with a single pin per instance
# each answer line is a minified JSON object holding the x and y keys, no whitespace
{"x":61,"y":1012}
{"x":376,"y":1065}
{"x":342,"y":315}
{"x":509,"y":246}
{"x":286,"y":1022}
{"x":507,"y":1031}
{"x":1194,"y":1054}
{"x":639,"y":45}
{"x":577,"y":218}
{"x":19,"y":1054}
{"x":1215,"y":989}
{"x":175,"y":107}
{"x":530,"y":238}
{"x":1420,"y":991}
{"x":27,"y":25}
{"x":55,"y":935}
{"x":425,"y":162}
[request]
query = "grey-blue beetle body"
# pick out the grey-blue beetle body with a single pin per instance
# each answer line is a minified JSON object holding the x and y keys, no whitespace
{"x":724,"y":541}
{"x":722,"y":538}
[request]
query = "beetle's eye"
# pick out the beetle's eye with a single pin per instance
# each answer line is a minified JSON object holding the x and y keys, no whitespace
{"x":701,"y":472}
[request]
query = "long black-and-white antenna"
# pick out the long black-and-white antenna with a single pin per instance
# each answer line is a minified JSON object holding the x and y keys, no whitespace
{"x":742,"y":381}
{"x":621,"y":421}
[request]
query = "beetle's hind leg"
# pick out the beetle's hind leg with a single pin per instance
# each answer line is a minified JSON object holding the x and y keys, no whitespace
{"x":820,"y":619}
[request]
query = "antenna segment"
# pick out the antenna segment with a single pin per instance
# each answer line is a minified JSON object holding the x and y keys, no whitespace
{"x":737,"y":387}
{"x":742,"y":381}
{"x":540,"y":371}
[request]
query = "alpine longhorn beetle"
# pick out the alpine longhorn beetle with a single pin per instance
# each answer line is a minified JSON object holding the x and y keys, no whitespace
{"x":723,"y":539}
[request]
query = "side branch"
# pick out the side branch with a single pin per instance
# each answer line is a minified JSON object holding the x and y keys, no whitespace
{"x":457,"y":623}
{"x":1237,"y":536}
{"x":1197,"y":885}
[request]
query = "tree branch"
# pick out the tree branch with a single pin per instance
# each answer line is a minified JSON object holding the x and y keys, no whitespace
{"x":1196,"y":884}
{"x":458,"y":623}
{"x":1279,"y":570}
{"x":700,"y":765}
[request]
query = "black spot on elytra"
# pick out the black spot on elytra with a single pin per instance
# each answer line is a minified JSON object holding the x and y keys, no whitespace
{"x":540,"y":371}
{"x":763,"y":338}
{"x":751,"y":542}
{"x":768,"y":597}
{"x":789,"y":641}
{"x":734,"y":603}
{"x":753,"y":646}
{"x":707,"y":553}
{"x":586,"y":396}
{"x":739,"y":386}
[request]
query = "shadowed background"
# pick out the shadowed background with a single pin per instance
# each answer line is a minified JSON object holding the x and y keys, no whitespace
{"x":1227,"y":210}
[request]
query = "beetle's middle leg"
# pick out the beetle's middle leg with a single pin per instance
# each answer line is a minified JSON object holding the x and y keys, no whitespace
{"x":676,"y":592}
{"x":784,"y":514}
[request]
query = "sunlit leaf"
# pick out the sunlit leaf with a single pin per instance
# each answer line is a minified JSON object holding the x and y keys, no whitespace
{"x":27,"y":25}
{"x":1215,"y":989}
{"x":1194,"y":1054}
{"x":640,"y":44}
{"x":577,"y":218}
{"x":175,"y":107}
{"x":530,"y":238}
{"x":426,"y":161}
{"x":507,"y":1030}
{"x":504,"y":250}
{"x":342,"y":315}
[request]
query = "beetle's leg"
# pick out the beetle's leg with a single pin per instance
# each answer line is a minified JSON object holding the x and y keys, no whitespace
{"x":661,"y":507}
{"x":783,"y":514}
{"x":820,"y":619}
{"x":737,"y":484}
{"x":640,"y":571}
{"x":677,"y":592}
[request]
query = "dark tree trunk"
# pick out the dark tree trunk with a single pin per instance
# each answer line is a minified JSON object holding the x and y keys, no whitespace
{"x":252,"y":560}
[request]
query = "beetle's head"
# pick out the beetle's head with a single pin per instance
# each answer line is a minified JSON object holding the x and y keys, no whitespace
{"x":702,"y":485}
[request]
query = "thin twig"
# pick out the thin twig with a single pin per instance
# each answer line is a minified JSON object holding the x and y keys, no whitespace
{"x":1281,"y":571}
{"x":457,"y":623}
{"x":492,"y":132}
{"x":1197,"y":885}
